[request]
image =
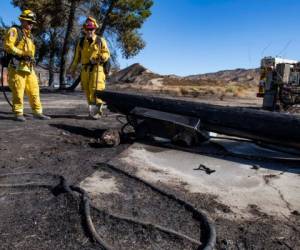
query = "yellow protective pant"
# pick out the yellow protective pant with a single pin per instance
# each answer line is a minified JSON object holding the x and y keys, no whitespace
{"x":20,"y":82}
{"x":88,"y":83}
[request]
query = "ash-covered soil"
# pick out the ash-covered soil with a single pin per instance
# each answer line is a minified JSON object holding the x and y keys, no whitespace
{"x":35,"y":218}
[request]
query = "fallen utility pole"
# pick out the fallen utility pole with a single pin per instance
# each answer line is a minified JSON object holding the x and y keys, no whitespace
{"x":264,"y":126}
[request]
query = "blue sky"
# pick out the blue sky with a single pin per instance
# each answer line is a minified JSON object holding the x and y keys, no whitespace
{"x":197,"y":36}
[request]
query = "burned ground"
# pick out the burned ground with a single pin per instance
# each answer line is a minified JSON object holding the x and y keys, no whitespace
{"x":34,"y":218}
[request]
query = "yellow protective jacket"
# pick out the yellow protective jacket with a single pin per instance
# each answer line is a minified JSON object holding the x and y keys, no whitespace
{"x":90,"y":52}
{"x":25,"y":47}
{"x":92,"y":78}
{"x":22,"y":77}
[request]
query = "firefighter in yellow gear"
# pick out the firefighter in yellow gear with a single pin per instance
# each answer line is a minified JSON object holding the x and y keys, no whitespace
{"x":91,"y":52}
{"x":21,"y":75}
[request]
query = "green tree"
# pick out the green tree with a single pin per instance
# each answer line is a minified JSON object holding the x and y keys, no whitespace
{"x":120,"y":22}
{"x":48,"y":32}
{"x":2,"y":33}
{"x":67,"y":41}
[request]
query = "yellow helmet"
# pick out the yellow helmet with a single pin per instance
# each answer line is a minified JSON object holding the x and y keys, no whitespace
{"x":28,"y":15}
{"x":90,"y":23}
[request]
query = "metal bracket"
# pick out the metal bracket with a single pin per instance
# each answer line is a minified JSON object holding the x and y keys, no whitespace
{"x":184,"y":121}
{"x":177,"y":128}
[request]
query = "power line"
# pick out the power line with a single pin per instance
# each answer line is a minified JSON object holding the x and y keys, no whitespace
{"x":285,"y":47}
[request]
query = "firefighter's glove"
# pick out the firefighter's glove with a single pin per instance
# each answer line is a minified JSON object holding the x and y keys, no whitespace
{"x":102,"y":59}
{"x":98,"y":60}
{"x":93,"y":61}
{"x":28,"y":56}
{"x":29,"y":59}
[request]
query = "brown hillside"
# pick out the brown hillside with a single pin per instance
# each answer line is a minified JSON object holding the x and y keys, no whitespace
{"x":234,"y":83}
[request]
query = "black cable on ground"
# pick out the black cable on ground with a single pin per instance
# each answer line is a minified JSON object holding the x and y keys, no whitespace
{"x":207,"y":225}
{"x":88,"y":218}
{"x":55,"y":176}
{"x":27,"y":185}
{"x":131,"y":220}
{"x":63,"y":186}
{"x":147,"y":224}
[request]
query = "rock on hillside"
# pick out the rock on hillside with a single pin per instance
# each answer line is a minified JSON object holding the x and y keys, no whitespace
{"x":136,"y":73}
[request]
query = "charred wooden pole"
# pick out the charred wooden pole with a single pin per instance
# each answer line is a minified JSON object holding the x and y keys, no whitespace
{"x":264,"y":126}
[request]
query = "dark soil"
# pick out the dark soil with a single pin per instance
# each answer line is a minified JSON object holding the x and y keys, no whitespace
{"x":34,"y":218}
